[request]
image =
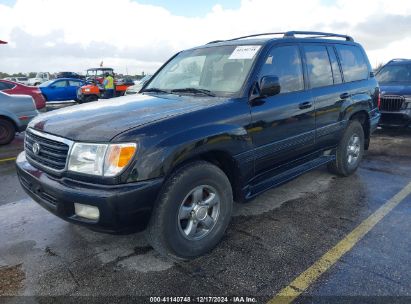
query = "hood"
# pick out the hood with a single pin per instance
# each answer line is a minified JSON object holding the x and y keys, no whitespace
{"x":102,"y":120}
{"x":392,"y":88}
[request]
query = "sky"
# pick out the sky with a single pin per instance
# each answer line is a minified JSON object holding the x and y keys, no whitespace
{"x":133,"y":36}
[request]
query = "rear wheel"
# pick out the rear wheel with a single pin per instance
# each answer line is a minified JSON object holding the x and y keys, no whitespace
{"x":7,"y":131}
{"x":192,"y":212}
{"x":350,"y":150}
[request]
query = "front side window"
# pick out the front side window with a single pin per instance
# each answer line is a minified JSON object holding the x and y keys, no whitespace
{"x":59,"y":84}
{"x":395,"y":73}
{"x":219,"y":70}
{"x":318,"y":66}
{"x":353,"y":63}
{"x":285,"y":63}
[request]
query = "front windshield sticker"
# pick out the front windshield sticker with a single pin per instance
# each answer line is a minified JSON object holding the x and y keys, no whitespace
{"x":244,"y":52}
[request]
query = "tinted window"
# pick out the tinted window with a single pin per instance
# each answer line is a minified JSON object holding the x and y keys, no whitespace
{"x":6,"y":86}
{"x":74,"y":83}
{"x":59,"y":84}
{"x":395,"y":73}
{"x":353,"y":63}
{"x":318,"y":66}
{"x":285,"y":63}
{"x":335,"y":66}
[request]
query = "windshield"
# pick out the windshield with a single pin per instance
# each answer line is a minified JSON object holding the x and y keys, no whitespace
{"x":40,"y":75}
{"x":99,"y":73}
{"x":219,"y":70}
{"x":395,"y":73}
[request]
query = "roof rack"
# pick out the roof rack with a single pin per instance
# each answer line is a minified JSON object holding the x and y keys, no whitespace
{"x":291,"y":34}
{"x":398,"y":59}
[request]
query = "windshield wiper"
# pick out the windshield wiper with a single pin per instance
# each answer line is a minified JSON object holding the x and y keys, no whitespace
{"x":193,"y":90}
{"x":155,"y":90}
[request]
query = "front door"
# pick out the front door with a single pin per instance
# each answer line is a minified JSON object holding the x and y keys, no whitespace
{"x":283,"y":126}
{"x":57,"y":90}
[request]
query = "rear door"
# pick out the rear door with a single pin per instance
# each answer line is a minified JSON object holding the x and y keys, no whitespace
{"x":283,"y":126}
{"x":326,"y":87}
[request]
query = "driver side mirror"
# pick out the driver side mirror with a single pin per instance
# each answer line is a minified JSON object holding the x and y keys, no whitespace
{"x":52,"y":86}
{"x":269,"y":86}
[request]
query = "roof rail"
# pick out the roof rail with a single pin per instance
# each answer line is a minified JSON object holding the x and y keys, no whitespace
{"x":291,"y":34}
{"x":397,"y":59}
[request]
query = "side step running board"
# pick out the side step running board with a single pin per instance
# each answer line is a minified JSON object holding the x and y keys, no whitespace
{"x":288,"y":175}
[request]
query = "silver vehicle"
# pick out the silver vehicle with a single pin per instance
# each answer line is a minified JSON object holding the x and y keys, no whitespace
{"x":16,"y":111}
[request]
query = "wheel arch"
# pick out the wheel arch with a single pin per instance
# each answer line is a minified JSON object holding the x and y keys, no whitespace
{"x":11,"y":120}
{"x":363,"y":117}
{"x":222,"y":160}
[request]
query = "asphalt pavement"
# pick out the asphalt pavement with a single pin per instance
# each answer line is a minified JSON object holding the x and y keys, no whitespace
{"x":270,"y":242}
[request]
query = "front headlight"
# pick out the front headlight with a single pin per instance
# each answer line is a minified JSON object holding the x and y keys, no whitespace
{"x":408,"y":102}
{"x":100,"y":159}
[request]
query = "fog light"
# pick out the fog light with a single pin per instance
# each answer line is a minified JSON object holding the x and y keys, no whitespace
{"x":87,"y":211}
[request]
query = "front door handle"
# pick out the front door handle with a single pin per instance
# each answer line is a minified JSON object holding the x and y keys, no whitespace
{"x":345,"y":95}
{"x":305,"y":105}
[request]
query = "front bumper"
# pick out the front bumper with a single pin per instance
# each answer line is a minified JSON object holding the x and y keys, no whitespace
{"x":396,"y":119}
{"x":123,"y":208}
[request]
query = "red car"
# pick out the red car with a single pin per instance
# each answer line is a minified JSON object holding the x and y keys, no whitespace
{"x":14,"y":88}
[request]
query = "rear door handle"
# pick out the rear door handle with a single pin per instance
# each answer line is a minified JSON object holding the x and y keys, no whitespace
{"x":345,"y":95}
{"x":305,"y":105}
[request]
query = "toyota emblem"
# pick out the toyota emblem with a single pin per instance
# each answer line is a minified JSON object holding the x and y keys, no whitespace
{"x":36,"y":148}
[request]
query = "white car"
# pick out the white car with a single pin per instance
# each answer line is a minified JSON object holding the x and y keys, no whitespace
{"x":39,"y":79}
{"x":22,"y":80}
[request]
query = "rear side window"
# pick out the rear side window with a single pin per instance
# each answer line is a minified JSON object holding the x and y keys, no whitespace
{"x":353,"y":63}
{"x":318,"y":66}
{"x":6,"y":86}
{"x":285,"y":63}
{"x":73,"y":83}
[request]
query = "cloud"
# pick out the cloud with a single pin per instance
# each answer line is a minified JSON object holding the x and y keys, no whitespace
{"x":77,"y":34}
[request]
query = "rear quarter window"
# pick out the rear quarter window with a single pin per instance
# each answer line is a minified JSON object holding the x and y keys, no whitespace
{"x":353,"y":62}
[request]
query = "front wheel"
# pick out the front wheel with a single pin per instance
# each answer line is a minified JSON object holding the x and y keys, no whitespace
{"x":350,"y":150}
{"x":192,"y":212}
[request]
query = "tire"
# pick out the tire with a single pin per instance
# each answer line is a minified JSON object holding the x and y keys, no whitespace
{"x":7,"y":131}
{"x":171,"y":228}
{"x":350,"y":150}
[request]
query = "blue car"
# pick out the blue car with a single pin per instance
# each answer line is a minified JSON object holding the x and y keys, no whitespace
{"x":61,"y":89}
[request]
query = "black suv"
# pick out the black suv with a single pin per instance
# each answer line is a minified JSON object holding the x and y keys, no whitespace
{"x":395,"y":81}
{"x":69,"y":75}
{"x":220,"y":122}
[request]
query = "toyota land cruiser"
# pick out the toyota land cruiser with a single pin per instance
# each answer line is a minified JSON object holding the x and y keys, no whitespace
{"x":220,"y":122}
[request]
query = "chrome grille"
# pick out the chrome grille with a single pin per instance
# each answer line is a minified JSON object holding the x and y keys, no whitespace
{"x":392,"y":103}
{"x":53,"y":150}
